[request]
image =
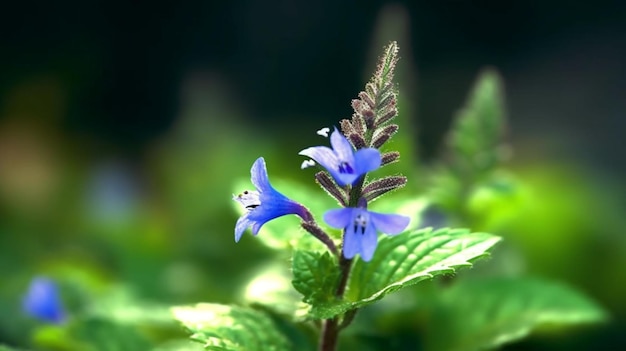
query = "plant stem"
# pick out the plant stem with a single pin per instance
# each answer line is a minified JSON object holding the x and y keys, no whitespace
{"x":331,"y":327}
{"x":328,"y":337}
{"x":321,"y":235}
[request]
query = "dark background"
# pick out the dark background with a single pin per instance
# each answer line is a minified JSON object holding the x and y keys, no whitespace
{"x":122,"y":63}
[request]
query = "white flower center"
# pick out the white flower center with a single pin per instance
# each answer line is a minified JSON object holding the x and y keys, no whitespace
{"x":249,"y":199}
{"x":360,"y":222}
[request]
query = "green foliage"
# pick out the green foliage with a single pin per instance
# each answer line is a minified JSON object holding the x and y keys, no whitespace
{"x":486,"y":313}
{"x":179,"y":345}
{"x":474,"y":147}
{"x":231,"y":328}
{"x":404,"y":260}
{"x":477,"y":131}
{"x":105,"y":335}
{"x":315,"y":275}
{"x":6,"y":348}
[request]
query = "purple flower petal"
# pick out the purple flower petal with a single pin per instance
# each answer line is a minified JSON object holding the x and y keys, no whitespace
{"x":389,"y":223}
{"x":42,"y":301}
{"x":323,"y":155}
{"x":258,"y":174}
{"x":242,"y":224}
{"x":367,"y":160}
{"x":342,"y":162}
{"x":369,"y":240}
{"x":338,"y":218}
{"x":342,"y":147}
{"x":351,"y":241}
{"x":264,"y":204}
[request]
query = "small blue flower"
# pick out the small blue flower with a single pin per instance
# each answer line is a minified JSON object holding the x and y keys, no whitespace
{"x":42,"y":301}
{"x":342,"y":162}
{"x":265,"y":203}
{"x":360,"y":227}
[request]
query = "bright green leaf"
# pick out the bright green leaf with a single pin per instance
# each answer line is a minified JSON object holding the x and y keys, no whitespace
{"x":315,"y":275}
{"x":231,"y":328}
{"x":483,"y":314}
{"x":407,"y":259}
{"x":272,"y":287}
{"x":179,"y":345}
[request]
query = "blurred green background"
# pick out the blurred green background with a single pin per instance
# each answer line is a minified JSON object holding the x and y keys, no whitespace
{"x":124,"y":126}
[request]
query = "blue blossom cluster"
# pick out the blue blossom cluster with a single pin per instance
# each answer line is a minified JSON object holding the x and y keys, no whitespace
{"x":347,"y":166}
{"x":43,"y":302}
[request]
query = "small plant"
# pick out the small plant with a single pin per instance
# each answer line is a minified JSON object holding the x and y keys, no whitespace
{"x":356,"y":269}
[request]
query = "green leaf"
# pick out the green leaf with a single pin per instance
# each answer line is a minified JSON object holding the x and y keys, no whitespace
{"x":272,"y":288}
{"x":315,"y":275}
{"x":483,"y":314}
{"x":105,"y":335}
{"x":121,"y":306}
{"x":478,"y":128}
{"x":231,"y":328}
{"x":6,"y":348}
{"x":404,"y":260}
{"x":179,"y":345}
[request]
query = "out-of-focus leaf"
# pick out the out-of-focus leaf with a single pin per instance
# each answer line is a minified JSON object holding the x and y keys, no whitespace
{"x":483,"y":314}
{"x":407,"y":259}
{"x":474,"y":144}
{"x":179,"y":345}
{"x":476,"y":133}
{"x":231,"y":328}
{"x":105,"y":335}
{"x":271,"y":287}
{"x":122,"y":307}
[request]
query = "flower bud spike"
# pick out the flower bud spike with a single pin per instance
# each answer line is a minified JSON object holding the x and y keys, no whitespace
{"x":367,"y":99}
{"x":357,"y":141}
{"x":325,"y":182}
{"x":382,"y":186}
{"x":346,"y":127}
{"x":389,"y":157}
{"x":387,"y":115}
{"x":368,"y":117}
{"x":382,"y":135}
{"x":357,"y":123}
{"x":357,"y":105}
{"x":370,"y":88}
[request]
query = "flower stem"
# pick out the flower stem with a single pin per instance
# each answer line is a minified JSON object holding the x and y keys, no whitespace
{"x":320,"y":234}
{"x":332,"y":327}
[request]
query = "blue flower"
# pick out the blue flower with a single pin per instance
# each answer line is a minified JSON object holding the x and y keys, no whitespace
{"x":360,"y":227}
{"x":42,"y":301}
{"x":342,"y":162}
{"x":265,"y":203}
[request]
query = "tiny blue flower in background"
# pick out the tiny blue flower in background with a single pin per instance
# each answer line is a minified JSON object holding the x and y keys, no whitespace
{"x":360,"y":227}
{"x":42,"y":301}
{"x":342,"y":162}
{"x":265,"y":203}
